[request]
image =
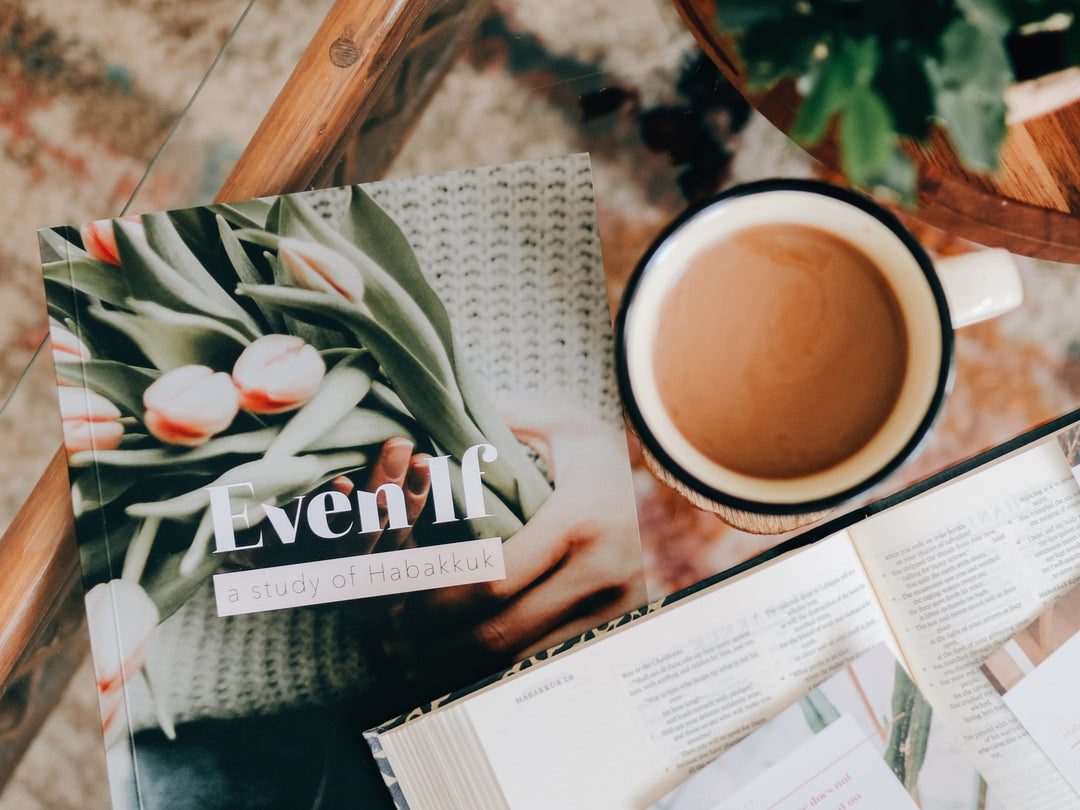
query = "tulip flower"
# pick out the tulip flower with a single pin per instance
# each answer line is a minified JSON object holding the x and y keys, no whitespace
{"x":121,"y":618}
{"x":188,"y":405}
{"x":99,"y":239}
{"x":90,"y":421}
{"x":317,"y":267}
{"x":277,"y":373}
{"x":66,"y":346}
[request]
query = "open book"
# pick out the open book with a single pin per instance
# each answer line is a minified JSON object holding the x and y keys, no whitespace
{"x":944,"y":574}
{"x":865,"y":738}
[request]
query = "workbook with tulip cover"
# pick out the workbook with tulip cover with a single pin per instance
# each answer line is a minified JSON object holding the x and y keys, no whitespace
{"x":942,"y":573}
{"x":332,"y":454}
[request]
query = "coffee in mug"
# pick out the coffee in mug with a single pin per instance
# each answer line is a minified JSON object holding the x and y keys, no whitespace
{"x":785,"y":346}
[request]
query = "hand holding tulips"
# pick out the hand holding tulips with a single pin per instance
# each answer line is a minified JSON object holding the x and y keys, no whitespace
{"x":571,"y":567}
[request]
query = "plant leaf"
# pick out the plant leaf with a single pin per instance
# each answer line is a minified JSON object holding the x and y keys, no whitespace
{"x":248,"y":443}
{"x":742,"y":15}
{"x":775,"y":47}
{"x":899,"y":179}
{"x":969,"y":79}
{"x":171,"y":588}
{"x":849,"y":67}
{"x":832,"y":83}
{"x":867,"y":139}
{"x":903,"y":698}
{"x":901,"y":81}
{"x":991,"y":16}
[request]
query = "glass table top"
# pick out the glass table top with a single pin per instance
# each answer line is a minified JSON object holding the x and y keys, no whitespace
{"x":663,"y":129}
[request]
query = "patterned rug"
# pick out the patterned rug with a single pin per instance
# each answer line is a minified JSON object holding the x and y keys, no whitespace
{"x":90,"y":89}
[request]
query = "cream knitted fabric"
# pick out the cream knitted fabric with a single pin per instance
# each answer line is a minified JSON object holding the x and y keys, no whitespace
{"x":514,"y":254}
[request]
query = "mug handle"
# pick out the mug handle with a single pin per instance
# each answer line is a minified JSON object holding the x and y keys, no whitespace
{"x":979,"y":285}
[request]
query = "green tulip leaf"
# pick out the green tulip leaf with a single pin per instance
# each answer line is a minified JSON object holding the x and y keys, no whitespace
{"x":380,"y":237}
{"x":173,"y":457}
{"x":532,"y":487}
{"x":97,"y":489}
{"x":170,"y":339}
{"x":439,"y":410}
{"x":502,"y":521}
{"x":273,"y":480}
{"x":55,"y":247}
{"x":120,"y":383}
{"x":245,"y":214}
{"x":395,"y":307}
{"x":257,"y":236}
{"x":165,"y":240}
{"x":340,"y":391}
{"x":151,"y":278}
{"x":383,"y":395}
{"x":244,"y":268}
{"x":89,"y":276}
{"x":99,"y":561}
{"x":171,"y":585}
{"x":363,"y":427}
{"x":63,"y":304}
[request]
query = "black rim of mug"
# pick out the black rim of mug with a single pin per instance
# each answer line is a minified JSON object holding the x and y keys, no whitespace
{"x":914,"y":443}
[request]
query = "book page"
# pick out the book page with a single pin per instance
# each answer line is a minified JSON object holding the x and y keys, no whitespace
{"x":1047,"y":703}
{"x":865,"y":738}
{"x":622,"y":721}
{"x":1035,"y":674}
{"x":959,"y":571}
{"x":836,"y":768}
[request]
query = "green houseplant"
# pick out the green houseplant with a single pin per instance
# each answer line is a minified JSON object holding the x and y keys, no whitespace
{"x":875,"y":72}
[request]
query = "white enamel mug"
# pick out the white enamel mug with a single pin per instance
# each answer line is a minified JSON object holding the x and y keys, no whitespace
{"x":933,"y":300}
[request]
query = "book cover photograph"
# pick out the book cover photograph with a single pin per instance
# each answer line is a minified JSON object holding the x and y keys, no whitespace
{"x":333,"y":454}
{"x":866,"y":737}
